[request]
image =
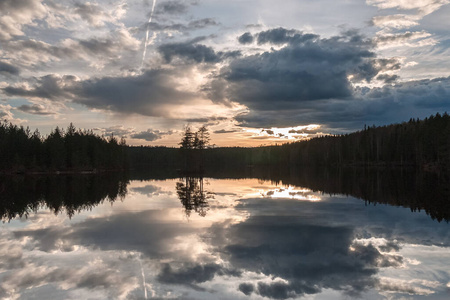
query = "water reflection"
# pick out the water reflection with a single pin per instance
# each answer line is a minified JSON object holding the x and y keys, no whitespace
{"x":193,"y":196}
{"x":22,"y":195}
{"x":247,"y":238}
{"x":416,"y":190}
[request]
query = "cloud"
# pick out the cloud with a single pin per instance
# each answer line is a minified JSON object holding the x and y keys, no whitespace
{"x":246,"y":38}
{"x":19,"y":13}
{"x":97,"y":276}
{"x":205,"y":120}
{"x":317,"y":258}
{"x":369,"y":70}
{"x":132,"y":232}
{"x":48,"y":87}
{"x":400,"y":38}
{"x":221,"y":131}
{"x":144,"y":94}
{"x":90,"y":12}
{"x":305,"y":256}
{"x":307,"y":68}
{"x":188,"y":274}
{"x":182,"y":27}
{"x":150,"y":135}
{"x":398,"y":21}
{"x":317,"y":80}
{"x":150,"y":93}
{"x":279,"y":36}
{"x":190,"y":51}
{"x":420,"y":8}
{"x":5,"y":112}
{"x":378,"y":105}
{"x":35,"y":109}
{"x":8,"y":69}
{"x":202,"y":23}
{"x":149,"y":190}
{"x":423,"y":6}
{"x":388,"y":79}
{"x":246,"y":288}
{"x":172,"y":7}
{"x":192,"y":274}
{"x":117,"y":130}
{"x":94,"y":50}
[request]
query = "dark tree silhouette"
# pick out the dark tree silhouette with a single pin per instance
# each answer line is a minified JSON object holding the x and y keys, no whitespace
{"x":192,"y":195}
{"x":72,"y":150}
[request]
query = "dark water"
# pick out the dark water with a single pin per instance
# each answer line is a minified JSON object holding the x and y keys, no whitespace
{"x":259,"y":234}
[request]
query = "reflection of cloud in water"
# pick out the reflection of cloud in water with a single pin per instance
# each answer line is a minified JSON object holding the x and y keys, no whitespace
{"x":308,"y":257}
{"x":260,"y":246}
{"x":150,"y":190}
{"x":291,"y":192}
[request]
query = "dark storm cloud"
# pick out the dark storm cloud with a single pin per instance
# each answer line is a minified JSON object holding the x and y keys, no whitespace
{"x":307,"y":68}
{"x":246,"y":38}
{"x":8,"y":69}
{"x":377,"y":107}
{"x":191,"y":51}
{"x":246,"y":288}
{"x":35,"y":110}
{"x":282,"y":290}
{"x":279,"y":36}
{"x":150,"y":135}
{"x":309,"y":80}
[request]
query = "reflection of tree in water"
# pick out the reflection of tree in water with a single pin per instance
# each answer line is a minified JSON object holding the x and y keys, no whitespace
{"x":22,"y":195}
{"x":193,"y":196}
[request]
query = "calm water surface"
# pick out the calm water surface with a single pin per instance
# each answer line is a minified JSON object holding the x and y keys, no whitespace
{"x":191,"y":238}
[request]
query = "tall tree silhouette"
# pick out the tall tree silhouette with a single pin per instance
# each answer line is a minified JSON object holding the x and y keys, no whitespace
{"x":193,"y":196}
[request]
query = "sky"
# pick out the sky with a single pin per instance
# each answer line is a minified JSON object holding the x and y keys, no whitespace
{"x":255,"y":72}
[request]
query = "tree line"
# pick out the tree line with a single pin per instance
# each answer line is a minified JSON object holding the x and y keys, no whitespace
{"x":420,"y":143}
{"x":423,"y":143}
{"x":62,"y":150}
{"x":416,"y":143}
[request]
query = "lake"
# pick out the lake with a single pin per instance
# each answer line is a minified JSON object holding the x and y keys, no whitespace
{"x":260,"y":234}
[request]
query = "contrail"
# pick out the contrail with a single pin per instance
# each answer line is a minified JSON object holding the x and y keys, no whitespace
{"x":143,"y":279}
{"x":146,"y":34}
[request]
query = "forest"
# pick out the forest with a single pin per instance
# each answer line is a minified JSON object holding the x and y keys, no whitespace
{"x":70,"y":150}
{"x":417,"y":143}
